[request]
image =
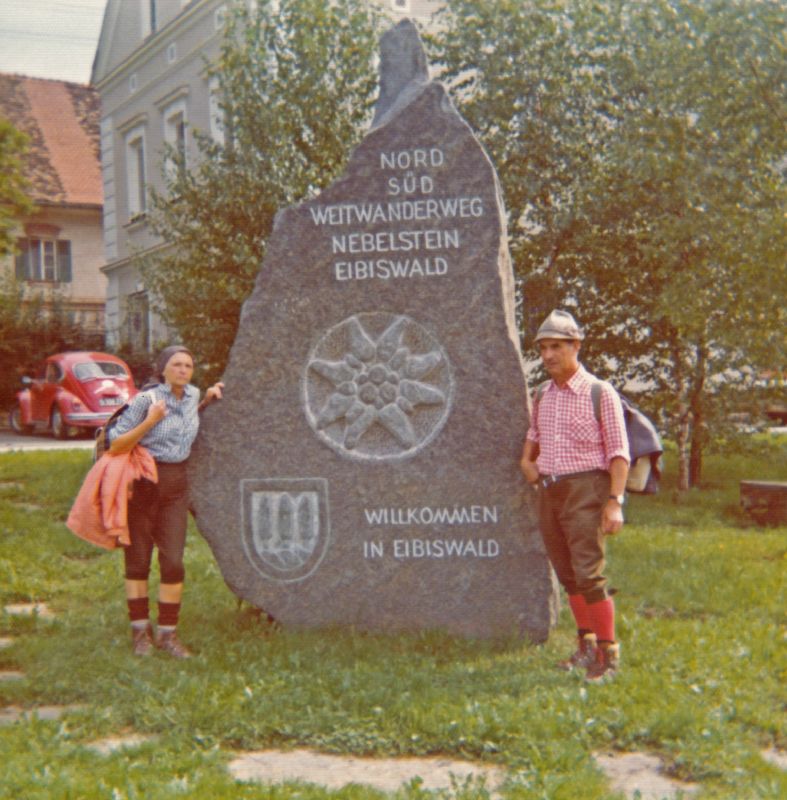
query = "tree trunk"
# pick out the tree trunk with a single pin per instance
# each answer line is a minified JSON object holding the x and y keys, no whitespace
{"x":699,"y":434}
{"x":697,"y":446}
{"x":682,"y":417}
{"x":683,"y":436}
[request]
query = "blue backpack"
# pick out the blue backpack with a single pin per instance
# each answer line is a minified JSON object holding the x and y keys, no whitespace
{"x":645,"y":445}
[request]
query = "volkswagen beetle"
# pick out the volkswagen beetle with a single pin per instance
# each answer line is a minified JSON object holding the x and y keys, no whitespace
{"x":75,"y":391}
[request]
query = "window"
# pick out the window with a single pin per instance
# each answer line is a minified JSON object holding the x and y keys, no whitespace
{"x":136,"y":331}
{"x":135,"y":173}
{"x":172,"y":52}
{"x":175,"y":135}
{"x":132,"y":83}
{"x":41,"y":259}
{"x":219,"y":17}
{"x":216,"y":113}
{"x":92,"y":370}
{"x":149,"y":21}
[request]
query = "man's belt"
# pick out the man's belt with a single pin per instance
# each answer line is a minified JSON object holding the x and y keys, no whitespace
{"x":549,"y":480}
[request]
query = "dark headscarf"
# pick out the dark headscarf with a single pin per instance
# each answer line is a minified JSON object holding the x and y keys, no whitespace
{"x":165,"y":355}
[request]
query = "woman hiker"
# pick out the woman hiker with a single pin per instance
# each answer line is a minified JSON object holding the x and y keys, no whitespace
{"x":164,"y":419}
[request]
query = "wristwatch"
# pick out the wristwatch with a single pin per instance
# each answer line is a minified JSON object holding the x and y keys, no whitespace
{"x":620,"y":498}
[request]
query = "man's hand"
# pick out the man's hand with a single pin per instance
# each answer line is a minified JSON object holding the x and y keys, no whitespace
{"x":529,"y":470}
{"x":611,"y":517}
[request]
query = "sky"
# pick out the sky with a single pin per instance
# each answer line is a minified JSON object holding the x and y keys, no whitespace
{"x":50,"y":38}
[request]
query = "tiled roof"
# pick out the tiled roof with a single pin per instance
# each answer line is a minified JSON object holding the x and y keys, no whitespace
{"x":62,"y":122}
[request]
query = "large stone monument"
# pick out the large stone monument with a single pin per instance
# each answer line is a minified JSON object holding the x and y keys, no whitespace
{"x":362,"y":469}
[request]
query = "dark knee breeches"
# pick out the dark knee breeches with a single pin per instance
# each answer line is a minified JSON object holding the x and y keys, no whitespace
{"x":158,"y":516}
{"x":570,"y":516}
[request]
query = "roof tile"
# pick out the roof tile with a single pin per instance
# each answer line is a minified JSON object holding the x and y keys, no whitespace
{"x":62,"y":121}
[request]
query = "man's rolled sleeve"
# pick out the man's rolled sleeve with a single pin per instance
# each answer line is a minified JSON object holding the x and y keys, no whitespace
{"x":613,"y":427}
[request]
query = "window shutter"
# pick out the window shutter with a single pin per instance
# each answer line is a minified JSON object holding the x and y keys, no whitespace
{"x":64,"y":260}
{"x":22,"y":260}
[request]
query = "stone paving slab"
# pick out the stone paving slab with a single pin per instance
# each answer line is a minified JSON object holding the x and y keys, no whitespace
{"x":11,"y":675}
{"x":5,"y":641}
{"x":776,"y":757}
{"x":112,"y":744}
{"x":41,"y":610}
{"x":334,"y":772}
{"x":641,"y":776}
{"x":12,"y":714}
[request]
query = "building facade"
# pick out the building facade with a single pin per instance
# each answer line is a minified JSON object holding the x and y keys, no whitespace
{"x":150,"y":70}
{"x":60,"y":252}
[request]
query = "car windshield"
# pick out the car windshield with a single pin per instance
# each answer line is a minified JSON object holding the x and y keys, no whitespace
{"x":90,"y":370}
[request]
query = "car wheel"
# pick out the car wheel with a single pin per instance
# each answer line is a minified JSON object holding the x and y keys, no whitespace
{"x":59,"y":428}
{"x":15,"y":421}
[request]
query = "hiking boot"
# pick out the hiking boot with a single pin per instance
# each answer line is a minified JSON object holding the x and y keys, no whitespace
{"x":584,"y":655}
{"x":606,"y":665}
{"x":168,"y":642}
{"x":142,"y":641}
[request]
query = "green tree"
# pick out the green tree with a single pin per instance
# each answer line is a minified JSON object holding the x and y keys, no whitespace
{"x":297,"y":88}
{"x":33,"y":327}
{"x":641,"y":150}
{"x":14,"y":200}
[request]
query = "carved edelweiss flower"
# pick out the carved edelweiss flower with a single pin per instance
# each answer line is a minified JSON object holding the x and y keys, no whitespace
{"x":378,"y":382}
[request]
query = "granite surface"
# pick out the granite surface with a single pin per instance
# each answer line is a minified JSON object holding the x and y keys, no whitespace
{"x":362,"y":469}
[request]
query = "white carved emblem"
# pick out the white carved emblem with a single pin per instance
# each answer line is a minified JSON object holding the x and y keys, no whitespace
{"x":285,"y":526}
{"x":378,"y":386}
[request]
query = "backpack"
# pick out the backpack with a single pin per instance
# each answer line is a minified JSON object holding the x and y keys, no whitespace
{"x":645,"y":445}
{"x":100,"y":444}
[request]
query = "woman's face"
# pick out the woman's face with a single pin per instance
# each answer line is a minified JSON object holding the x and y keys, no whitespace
{"x":179,"y":370}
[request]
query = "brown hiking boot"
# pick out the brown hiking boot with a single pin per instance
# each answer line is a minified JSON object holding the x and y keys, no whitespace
{"x":584,"y":655}
{"x":142,"y":641}
{"x":168,"y":642}
{"x":606,"y":665}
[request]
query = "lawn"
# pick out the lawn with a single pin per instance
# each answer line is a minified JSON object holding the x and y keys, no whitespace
{"x":701,"y":605}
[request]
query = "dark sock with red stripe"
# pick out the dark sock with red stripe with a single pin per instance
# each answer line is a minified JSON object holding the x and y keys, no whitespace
{"x":168,"y":614}
{"x":602,"y":619}
{"x":138,"y":611}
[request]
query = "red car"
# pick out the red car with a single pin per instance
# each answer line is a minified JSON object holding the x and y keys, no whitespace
{"x":72,"y":391}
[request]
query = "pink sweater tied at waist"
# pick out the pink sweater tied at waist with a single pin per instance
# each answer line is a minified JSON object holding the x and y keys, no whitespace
{"x":100,"y":511}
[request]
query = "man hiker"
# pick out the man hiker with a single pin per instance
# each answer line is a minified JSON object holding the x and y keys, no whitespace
{"x":579,"y":465}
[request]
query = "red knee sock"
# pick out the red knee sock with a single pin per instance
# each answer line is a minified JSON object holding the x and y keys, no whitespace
{"x":602,"y":619}
{"x":579,"y":608}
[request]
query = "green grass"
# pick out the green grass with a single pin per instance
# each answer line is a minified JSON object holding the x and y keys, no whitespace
{"x":700,"y":614}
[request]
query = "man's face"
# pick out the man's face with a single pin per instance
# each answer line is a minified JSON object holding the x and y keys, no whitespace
{"x":560,"y":357}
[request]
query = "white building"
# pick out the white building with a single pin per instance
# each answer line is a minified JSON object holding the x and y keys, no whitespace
{"x":150,"y":72}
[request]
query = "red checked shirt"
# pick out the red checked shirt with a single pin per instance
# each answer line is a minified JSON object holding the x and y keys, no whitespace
{"x":569,"y":437}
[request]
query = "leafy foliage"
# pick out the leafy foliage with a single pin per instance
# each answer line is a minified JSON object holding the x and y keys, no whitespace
{"x":14,"y":200}
{"x":33,"y":327}
{"x":641,"y":151}
{"x":297,"y":85}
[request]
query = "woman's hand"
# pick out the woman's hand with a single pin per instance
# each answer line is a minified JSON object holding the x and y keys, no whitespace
{"x":157,"y":411}
{"x":216,"y":392}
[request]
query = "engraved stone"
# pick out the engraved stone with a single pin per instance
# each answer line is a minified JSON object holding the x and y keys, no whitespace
{"x":377,"y":396}
{"x":363,"y":467}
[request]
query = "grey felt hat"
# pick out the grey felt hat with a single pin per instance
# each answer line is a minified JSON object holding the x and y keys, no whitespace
{"x":560,"y":325}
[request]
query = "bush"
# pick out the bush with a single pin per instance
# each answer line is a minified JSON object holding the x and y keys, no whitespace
{"x":32,"y":328}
